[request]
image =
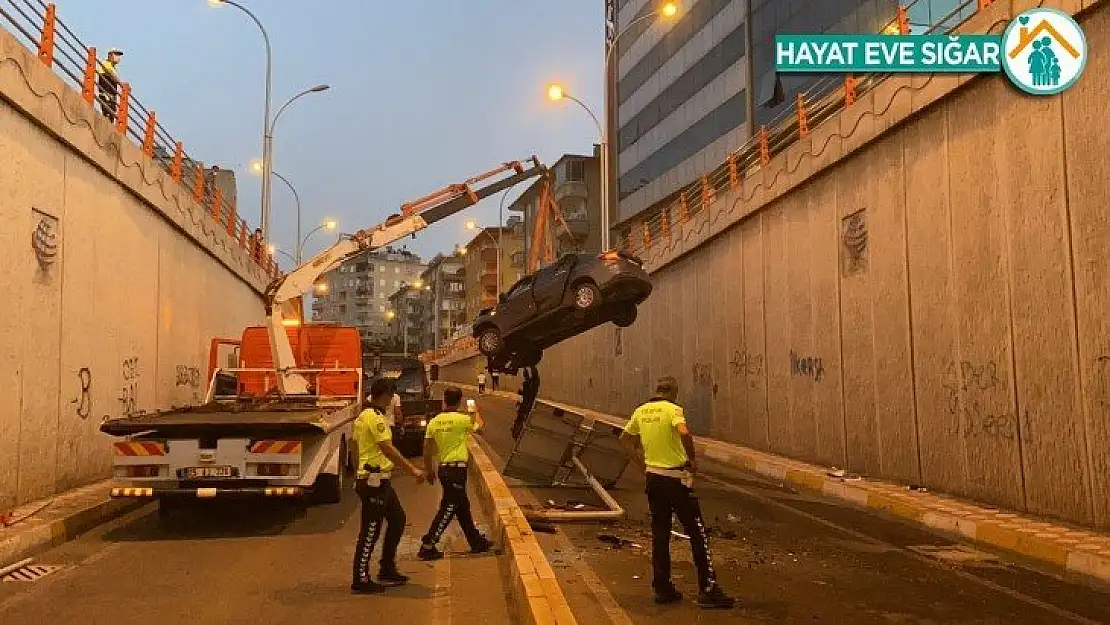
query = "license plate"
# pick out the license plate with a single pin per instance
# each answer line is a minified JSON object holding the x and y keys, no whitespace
{"x":201,"y":472}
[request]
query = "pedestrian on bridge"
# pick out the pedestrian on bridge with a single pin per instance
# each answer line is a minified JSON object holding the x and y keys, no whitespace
{"x":377,"y":458}
{"x":108,"y":83}
{"x":445,"y":443}
{"x":481,"y":382}
{"x":658,"y":441}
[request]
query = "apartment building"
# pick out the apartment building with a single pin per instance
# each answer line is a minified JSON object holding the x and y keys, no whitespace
{"x":480,"y":264}
{"x":357,"y":292}
{"x":577,"y":191}
{"x":407,"y":313}
{"x":446,"y":313}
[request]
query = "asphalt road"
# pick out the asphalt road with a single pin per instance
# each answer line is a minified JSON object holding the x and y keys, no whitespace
{"x":264,"y":562}
{"x":790,"y":557}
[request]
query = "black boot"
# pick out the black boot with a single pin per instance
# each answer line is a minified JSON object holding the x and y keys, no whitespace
{"x":667,"y":595}
{"x":367,"y":588}
{"x":482,"y":546}
{"x":428,"y":553}
{"x":390,"y":576}
{"x":715,"y":598}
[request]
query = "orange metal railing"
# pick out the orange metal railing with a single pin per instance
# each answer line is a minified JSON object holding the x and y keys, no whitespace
{"x":36,"y":24}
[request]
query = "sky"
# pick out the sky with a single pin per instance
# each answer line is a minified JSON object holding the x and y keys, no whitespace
{"x":424,"y":93}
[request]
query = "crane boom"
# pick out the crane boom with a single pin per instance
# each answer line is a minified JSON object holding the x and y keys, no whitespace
{"x":285,"y":292}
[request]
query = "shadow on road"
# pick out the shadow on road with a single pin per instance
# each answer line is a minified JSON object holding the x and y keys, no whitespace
{"x":211,"y":520}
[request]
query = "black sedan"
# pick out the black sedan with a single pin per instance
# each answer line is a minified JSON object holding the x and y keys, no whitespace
{"x":572,"y":295}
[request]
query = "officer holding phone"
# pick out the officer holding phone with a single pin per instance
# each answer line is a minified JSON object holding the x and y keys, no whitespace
{"x":445,"y":443}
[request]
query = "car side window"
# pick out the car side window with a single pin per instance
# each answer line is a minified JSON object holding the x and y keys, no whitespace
{"x":520,"y":287}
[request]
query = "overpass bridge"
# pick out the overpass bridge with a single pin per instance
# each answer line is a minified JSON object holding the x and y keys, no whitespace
{"x":915,"y":290}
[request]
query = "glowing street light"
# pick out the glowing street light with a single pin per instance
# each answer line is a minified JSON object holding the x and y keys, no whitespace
{"x":322,"y":287}
{"x":556,"y":92}
{"x":471,"y":224}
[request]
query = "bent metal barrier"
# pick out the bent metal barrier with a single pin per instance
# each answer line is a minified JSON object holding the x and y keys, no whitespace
{"x":36,"y":24}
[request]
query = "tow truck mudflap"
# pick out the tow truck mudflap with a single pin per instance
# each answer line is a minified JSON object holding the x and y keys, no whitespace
{"x":140,"y":492}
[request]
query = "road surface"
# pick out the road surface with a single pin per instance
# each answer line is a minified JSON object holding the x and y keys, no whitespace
{"x":263,"y":562}
{"x":790,"y":557}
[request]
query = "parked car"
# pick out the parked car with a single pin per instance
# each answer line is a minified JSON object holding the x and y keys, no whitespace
{"x":410,"y":380}
{"x":572,"y":295}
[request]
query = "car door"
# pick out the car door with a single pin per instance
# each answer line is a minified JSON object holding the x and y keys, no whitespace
{"x":518,"y":307}
{"x":551,"y":283}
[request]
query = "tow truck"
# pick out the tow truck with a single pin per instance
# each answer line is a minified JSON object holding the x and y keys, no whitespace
{"x":276,"y":420}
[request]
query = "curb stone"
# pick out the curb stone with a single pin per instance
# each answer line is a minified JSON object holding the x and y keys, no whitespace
{"x":17,"y":543}
{"x":1062,"y":548}
{"x":537,"y":597}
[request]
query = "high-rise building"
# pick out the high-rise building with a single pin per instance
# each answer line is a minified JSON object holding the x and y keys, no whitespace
{"x":689,"y":91}
{"x":446,"y":313}
{"x":357,"y":292}
{"x":481,"y":284}
{"x":578,"y":192}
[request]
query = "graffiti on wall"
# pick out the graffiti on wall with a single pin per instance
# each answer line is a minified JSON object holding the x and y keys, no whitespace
{"x":44,"y":238}
{"x":83,"y":403}
{"x":853,"y":243}
{"x":704,"y":376}
{"x":807,"y":366}
{"x":745,"y":363}
{"x":188,"y":376}
{"x":129,"y":391}
{"x":970,"y":389}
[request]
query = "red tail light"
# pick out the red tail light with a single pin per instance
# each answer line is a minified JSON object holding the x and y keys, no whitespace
{"x":611,"y":256}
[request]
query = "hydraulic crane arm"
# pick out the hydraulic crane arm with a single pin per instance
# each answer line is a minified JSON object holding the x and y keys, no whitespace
{"x":414,"y":217}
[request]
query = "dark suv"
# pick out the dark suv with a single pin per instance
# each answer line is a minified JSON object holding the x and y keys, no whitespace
{"x":572,"y":295}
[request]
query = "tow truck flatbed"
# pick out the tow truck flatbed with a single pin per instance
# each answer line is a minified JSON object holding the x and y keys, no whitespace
{"x":196,"y":421}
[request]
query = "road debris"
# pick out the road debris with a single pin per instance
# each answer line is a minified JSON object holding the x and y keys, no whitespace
{"x":616,"y":542}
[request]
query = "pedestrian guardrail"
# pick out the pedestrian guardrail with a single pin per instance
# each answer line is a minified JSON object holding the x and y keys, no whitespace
{"x":35,"y":23}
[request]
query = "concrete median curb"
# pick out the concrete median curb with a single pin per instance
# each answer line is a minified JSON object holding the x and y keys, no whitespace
{"x":1066,"y":549}
{"x":536,"y":595}
{"x":35,"y":535}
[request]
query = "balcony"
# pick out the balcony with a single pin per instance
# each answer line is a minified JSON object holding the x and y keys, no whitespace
{"x":489,"y":254}
{"x":571,"y":189}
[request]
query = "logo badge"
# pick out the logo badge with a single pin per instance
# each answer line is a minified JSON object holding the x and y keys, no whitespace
{"x":1044,"y":51}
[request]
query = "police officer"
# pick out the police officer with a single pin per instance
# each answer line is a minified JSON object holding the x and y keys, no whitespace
{"x":658,"y":441}
{"x":445,"y":442}
{"x":376,"y":459}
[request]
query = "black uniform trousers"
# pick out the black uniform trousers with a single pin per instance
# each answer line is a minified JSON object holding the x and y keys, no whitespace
{"x":380,"y":504}
{"x":669,"y":497}
{"x":453,"y":504}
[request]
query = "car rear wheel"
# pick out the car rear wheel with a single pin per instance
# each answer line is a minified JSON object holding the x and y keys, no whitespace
{"x":586,"y":296}
{"x":489,"y":341}
{"x":625,"y":316}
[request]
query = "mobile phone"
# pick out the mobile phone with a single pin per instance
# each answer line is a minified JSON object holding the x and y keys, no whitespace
{"x":471,"y":406}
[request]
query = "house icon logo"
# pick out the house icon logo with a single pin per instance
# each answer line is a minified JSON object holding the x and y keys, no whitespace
{"x":1045,"y":51}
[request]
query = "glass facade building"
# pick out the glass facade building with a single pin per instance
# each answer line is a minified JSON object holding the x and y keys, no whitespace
{"x":691,"y":90}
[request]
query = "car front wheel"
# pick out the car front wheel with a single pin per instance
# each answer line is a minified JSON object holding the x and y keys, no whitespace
{"x":489,"y":342}
{"x":586,"y":296}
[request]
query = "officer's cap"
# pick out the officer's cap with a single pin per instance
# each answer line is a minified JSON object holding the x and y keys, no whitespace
{"x":115,"y":51}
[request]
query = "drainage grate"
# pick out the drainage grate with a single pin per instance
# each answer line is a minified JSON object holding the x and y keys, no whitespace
{"x":30,"y":573}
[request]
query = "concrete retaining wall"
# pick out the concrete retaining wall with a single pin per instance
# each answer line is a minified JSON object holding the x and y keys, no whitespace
{"x":119,"y":318}
{"x":963,"y":344}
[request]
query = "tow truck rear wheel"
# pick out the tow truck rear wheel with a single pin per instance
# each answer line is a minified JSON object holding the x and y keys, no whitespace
{"x":328,"y":487}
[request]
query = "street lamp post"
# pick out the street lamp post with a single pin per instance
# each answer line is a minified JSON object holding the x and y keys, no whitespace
{"x":267,"y":145}
{"x":267,"y":160}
